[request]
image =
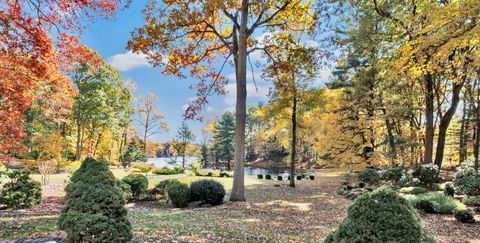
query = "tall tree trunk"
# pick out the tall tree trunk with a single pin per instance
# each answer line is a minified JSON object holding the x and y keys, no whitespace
{"x":294,"y":139}
{"x":462,"y":155}
{"x":96,"y":144}
{"x":429,"y":126}
{"x":78,"y":154}
{"x":477,"y":118}
{"x":391,"y":138}
{"x":238,"y":189}
{"x":445,"y":123}
{"x":145,"y":141}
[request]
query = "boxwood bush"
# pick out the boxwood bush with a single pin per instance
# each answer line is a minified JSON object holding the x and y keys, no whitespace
{"x":161,"y":187}
{"x":126,"y":189}
{"x":449,"y":190}
{"x":207,"y":191}
{"x":260,"y":176}
{"x":312,"y":177}
{"x":138,"y":183}
{"x":369,"y":176}
{"x":464,"y":216}
{"x":426,"y":174}
{"x":20,"y":191}
{"x":168,"y":171}
{"x":179,"y":194}
{"x":380,"y":216}
{"x":280,"y":178}
{"x":268,"y":177}
{"x":94,"y":206}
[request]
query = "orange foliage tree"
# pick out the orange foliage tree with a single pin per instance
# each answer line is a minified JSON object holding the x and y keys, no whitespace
{"x":38,"y":45}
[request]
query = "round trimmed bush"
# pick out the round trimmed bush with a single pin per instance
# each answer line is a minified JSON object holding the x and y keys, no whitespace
{"x":138,"y":183}
{"x":426,"y":174}
{"x":207,"y":191}
{"x":126,"y":189}
{"x":179,"y":194}
{"x":394,"y":174}
{"x":312,"y":177}
{"x":280,"y":178}
{"x":299,"y":177}
{"x":464,"y":216}
{"x":94,"y":206}
{"x":449,"y":190}
{"x":161,"y":187}
{"x":260,"y":176}
{"x":268,"y":177}
{"x":20,"y":191}
{"x":369,"y":176}
{"x":380,"y":216}
{"x":425,"y":206}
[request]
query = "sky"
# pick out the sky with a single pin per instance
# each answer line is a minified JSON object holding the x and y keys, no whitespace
{"x":109,"y":38}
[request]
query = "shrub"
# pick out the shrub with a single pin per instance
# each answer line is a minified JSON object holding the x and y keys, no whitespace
{"x":209,"y":173}
{"x":425,"y":206}
{"x":469,"y":185}
{"x":280,"y":178}
{"x":369,"y":176}
{"x":471,"y":201}
{"x":268,"y":177}
{"x":464,"y":216}
{"x":413,"y":190}
{"x":196,"y":166}
{"x":126,"y":189}
{"x":441,"y":203}
{"x":260,"y":176}
{"x":94,"y":206}
{"x":426,"y":174}
{"x":161,"y":187}
{"x":20,"y":191}
{"x":361,"y":184}
{"x":380,"y":216}
{"x":207,"y":191}
{"x":168,"y":171}
{"x":202,"y":173}
{"x":138,"y":183}
{"x":226,"y":174}
{"x":179,"y":194}
{"x":449,"y":190}
{"x":394,"y":174}
{"x":299,"y":177}
{"x":288,"y":177}
{"x":142,"y":167}
{"x":312,"y":177}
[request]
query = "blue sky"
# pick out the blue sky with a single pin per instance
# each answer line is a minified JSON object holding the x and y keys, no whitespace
{"x":109,"y":38}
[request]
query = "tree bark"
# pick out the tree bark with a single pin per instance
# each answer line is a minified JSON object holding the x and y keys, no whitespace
{"x":462,"y":155}
{"x":78,"y":154}
{"x":477,"y":135}
{"x":294,"y":140}
{"x":445,"y":123}
{"x":238,"y":189}
{"x":429,"y":126}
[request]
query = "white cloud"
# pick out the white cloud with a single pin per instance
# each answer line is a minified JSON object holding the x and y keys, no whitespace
{"x":128,"y":61}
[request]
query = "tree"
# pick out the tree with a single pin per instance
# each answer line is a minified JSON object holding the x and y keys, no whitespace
{"x":224,"y":138}
{"x":293,"y":66}
{"x":184,"y":138}
{"x":39,"y":45}
{"x":150,"y":118}
{"x":194,"y":34}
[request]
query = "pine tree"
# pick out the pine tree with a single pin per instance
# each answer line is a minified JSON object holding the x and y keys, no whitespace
{"x":225,"y":137}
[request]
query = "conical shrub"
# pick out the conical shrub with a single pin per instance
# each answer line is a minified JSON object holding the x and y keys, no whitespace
{"x":380,"y":216}
{"x":94,"y":206}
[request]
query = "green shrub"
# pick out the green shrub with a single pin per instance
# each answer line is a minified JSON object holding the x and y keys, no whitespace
{"x":299,"y":177}
{"x":268,"y":177}
{"x":161,"y":187}
{"x":425,"y":206}
{"x":196,"y":166}
{"x":393,"y":175}
{"x":441,"y":203}
{"x":225,"y":174}
{"x":207,"y":191}
{"x":380,"y":216}
{"x":280,"y":178}
{"x":142,"y":167}
{"x":312,"y":177}
{"x":260,"y":176}
{"x":201,"y":173}
{"x":179,"y":194}
{"x":470,"y":185}
{"x":94,"y":206}
{"x":20,"y":191}
{"x":464,"y":216}
{"x":126,"y":189}
{"x":168,"y":171}
{"x":471,"y":201}
{"x":413,"y":190}
{"x":426,"y":174}
{"x":449,"y":190}
{"x":369,"y":176}
{"x":361,"y":184}
{"x":138,"y":183}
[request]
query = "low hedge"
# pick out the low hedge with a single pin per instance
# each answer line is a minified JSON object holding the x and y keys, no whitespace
{"x":168,"y":171}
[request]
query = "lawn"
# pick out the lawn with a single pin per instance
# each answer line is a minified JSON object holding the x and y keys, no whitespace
{"x":274,"y":212}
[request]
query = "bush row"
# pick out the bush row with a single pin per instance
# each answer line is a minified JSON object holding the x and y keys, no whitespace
{"x":203,"y":191}
{"x":281,"y":178}
{"x":168,"y":171}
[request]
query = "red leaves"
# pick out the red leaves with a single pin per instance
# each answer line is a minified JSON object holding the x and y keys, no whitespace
{"x":33,"y":66}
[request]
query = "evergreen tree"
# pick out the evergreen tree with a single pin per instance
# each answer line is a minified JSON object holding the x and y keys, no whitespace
{"x":225,"y":137}
{"x":184,"y":137}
